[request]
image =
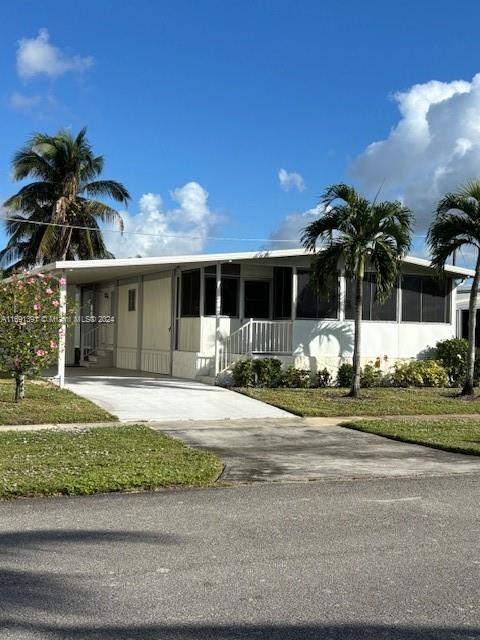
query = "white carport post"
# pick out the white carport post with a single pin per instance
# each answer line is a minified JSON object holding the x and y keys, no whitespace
{"x":218,"y":308}
{"x":62,"y":332}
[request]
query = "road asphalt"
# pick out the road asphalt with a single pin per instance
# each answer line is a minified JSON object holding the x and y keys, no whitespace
{"x":395,"y":558}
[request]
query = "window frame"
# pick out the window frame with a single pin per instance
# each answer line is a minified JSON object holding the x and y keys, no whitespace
{"x":131,"y":298}
{"x":371,"y":282}
{"x":182,"y":274}
{"x":306,"y":270}
{"x":448,"y":282}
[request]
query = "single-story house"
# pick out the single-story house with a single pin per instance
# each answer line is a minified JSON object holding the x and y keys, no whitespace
{"x":193,"y":316}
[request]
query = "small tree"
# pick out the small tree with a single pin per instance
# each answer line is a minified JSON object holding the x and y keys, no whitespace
{"x":30,"y":325}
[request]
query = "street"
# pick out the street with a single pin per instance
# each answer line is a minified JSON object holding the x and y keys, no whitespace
{"x":378,"y":558}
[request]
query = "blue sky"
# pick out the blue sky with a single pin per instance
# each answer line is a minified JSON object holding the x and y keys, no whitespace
{"x":190,"y":98}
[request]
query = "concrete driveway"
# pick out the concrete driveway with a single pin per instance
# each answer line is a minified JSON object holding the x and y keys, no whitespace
{"x":298,"y":449}
{"x":138,"y":396}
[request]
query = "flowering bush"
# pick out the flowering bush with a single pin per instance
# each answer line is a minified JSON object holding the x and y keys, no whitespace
{"x":419,"y":373}
{"x":30,"y":325}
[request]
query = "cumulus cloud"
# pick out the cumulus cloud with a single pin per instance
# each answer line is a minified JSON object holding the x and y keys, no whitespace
{"x":434,"y":147}
{"x":36,"y":56}
{"x":287,"y":234}
{"x":183,"y":229}
{"x":290,"y":180}
{"x":24,"y":102}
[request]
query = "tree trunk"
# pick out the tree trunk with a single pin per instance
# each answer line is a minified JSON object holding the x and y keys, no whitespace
{"x":468,"y":388}
{"x":357,"y":344}
{"x":19,"y":387}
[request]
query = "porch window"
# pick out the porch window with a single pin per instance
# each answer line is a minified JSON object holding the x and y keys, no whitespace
{"x":132,"y":299}
{"x":230,"y":278}
{"x":313,"y":304}
{"x":425,"y":299}
{"x":372,"y":310}
{"x":257,"y":299}
{"x":190,"y":293}
{"x":282,"y":292}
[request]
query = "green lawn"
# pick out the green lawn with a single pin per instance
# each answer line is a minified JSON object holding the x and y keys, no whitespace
{"x":451,"y":434}
{"x":97,"y":460}
{"x":374,"y":402}
{"x":45,"y":403}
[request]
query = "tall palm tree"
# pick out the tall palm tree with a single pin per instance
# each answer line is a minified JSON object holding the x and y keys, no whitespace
{"x":354,"y":231}
{"x":63,"y":194}
{"x":456,"y":225}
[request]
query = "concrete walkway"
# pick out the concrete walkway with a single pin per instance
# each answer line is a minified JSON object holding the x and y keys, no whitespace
{"x":135,"y":396}
{"x":295,"y":450}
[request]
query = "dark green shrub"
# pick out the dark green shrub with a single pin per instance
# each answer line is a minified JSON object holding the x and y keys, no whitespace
{"x":344,"y":375}
{"x":453,"y":356}
{"x":267,"y":372}
{"x":419,"y":373}
{"x":294,"y":378}
{"x":243,"y":373}
{"x":324,"y":378}
{"x":371,"y":376}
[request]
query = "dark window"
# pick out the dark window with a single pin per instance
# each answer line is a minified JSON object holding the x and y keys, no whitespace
{"x":425,"y":299}
{"x":257,"y":299}
{"x":191,"y":293}
{"x":282,"y":292}
{"x":313,"y":304}
{"x":372,"y":309}
{"x":464,"y":317}
{"x":229,"y":290}
{"x":132,"y":299}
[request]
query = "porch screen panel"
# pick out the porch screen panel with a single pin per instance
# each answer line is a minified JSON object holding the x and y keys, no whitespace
{"x":372,"y":309}
{"x":282,"y":292}
{"x":229,"y":286}
{"x":425,"y":299}
{"x":191,"y":293}
{"x":257,"y":299}
{"x":313,"y":304}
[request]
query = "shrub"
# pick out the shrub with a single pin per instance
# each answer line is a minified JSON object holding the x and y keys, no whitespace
{"x":324,"y":378}
{"x":294,"y":378}
{"x":419,"y":373}
{"x":344,"y":375}
{"x":453,"y":355}
{"x":371,"y":376}
{"x":267,"y":372}
{"x":243,"y":373}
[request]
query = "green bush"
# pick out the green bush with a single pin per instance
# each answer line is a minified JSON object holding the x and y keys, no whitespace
{"x":324,"y":378}
{"x":294,"y":378}
{"x":371,"y":376}
{"x":267,"y":372}
{"x":453,"y":356}
{"x":344,"y":375}
{"x":243,"y":373}
{"x":419,"y":373}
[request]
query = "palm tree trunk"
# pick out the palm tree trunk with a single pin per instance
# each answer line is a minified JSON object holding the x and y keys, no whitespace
{"x":468,"y":388}
{"x":357,"y":343}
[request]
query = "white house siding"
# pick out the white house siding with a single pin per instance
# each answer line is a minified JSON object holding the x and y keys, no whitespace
{"x":189,"y":334}
{"x":156,"y":321}
{"x":127,"y":331}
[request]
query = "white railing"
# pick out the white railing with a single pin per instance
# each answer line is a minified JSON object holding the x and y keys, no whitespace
{"x":89,"y":341}
{"x":255,"y":337}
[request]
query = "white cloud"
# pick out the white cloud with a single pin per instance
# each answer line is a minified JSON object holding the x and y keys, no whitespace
{"x":287,"y":234}
{"x":183,"y":229}
{"x":434,"y":147}
{"x":290,"y":180}
{"x":36,"y":56}
{"x":24,"y":102}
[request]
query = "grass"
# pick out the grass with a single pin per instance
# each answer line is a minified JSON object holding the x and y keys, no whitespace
{"x":374,"y":402}
{"x":459,"y":434}
{"x":45,"y":403}
{"x":98,"y":460}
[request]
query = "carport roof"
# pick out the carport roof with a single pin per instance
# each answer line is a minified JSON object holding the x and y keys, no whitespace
{"x":85,"y":271}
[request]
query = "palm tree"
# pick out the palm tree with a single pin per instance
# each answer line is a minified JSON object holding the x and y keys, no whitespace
{"x":63,"y":195}
{"x":354,"y":230}
{"x":457,"y":224}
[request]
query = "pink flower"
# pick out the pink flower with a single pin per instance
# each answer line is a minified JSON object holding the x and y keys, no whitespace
{"x":48,"y":290}
{"x":41,"y":352}
{"x":53,"y":344}
{"x":55,"y":303}
{"x":36,"y":307}
{"x":62,"y":281}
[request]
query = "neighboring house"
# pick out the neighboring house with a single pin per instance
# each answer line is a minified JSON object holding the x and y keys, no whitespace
{"x":463,"y":314}
{"x":191,"y":316}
